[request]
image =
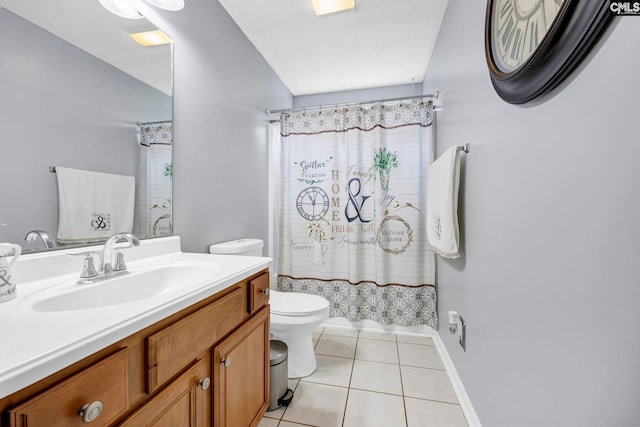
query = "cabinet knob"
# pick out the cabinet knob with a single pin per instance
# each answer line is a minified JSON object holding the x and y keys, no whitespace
{"x":226,"y":362}
{"x":91,"y":411}
{"x":204,"y":383}
{"x":265,"y":291}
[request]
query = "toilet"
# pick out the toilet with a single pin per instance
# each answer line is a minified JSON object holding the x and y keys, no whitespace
{"x":293,"y":315}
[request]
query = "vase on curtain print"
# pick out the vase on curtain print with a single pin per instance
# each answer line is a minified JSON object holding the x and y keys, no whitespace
{"x":384,"y":160}
{"x":318,"y":234}
{"x":319,"y":250}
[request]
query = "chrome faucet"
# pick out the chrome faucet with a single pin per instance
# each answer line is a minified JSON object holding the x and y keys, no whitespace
{"x":33,"y":235}
{"x":108,"y":267}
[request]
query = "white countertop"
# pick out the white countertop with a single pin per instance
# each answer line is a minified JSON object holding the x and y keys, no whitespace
{"x":36,"y":344}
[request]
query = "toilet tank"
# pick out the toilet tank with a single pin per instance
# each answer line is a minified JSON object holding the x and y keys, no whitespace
{"x":250,"y":247}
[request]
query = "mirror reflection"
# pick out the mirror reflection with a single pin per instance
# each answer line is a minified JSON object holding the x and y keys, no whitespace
{"x":79,"y":93}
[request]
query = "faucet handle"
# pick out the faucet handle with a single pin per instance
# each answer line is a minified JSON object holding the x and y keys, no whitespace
{"x":88,"y":267}
{"x":120,"y":264}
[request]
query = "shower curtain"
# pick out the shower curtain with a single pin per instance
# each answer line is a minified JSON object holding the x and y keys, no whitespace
{"x":154,"y":197}
{"x":352,"y":211}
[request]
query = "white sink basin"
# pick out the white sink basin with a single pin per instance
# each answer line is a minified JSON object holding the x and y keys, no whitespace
{"x":137,"y":285}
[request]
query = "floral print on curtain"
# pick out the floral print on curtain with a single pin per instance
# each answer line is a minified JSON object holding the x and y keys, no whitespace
{"x":353,"y":211}
{"x":155,"y":174}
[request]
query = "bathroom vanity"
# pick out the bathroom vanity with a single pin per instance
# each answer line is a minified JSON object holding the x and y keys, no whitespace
{"x":192,"y":355}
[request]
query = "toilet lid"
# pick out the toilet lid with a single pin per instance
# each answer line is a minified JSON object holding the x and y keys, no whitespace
{"x":296,"y":304}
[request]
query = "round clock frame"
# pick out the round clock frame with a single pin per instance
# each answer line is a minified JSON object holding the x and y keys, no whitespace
{"x":323,"y":203}
{"x":573,"y":32}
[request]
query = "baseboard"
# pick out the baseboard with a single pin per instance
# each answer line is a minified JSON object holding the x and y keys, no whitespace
{"x":371,"y":325}
{"x":461,"y":393}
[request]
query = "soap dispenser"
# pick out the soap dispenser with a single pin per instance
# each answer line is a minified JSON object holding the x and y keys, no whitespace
{"x":7,"y":285}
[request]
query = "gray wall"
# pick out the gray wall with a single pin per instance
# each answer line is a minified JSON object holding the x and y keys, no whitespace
{"x":222,"y":87}
{"x":549,"y":278}
{"x":360,"y":95}
{"x":60,"y":106}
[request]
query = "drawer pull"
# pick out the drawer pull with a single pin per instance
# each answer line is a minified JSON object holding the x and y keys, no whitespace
{"x":226,"y":362}
{"x":204,"y":383}
{"x":265,"y":291}
{"x":91,"y":411}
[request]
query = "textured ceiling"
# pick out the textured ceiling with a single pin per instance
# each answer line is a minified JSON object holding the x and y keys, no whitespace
{"x":88,"y":26}
{"x":381,"y":43}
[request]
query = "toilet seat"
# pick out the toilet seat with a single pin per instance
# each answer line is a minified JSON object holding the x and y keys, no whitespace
{"x":296,"y":304}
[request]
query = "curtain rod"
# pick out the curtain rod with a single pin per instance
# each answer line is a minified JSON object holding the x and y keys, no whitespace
{"x":153,"y":123}
{"x":282,"y":110}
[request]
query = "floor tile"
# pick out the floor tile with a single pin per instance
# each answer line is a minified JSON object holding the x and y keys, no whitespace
{"x":318,"y":330}
{"x":377,"y":335}
{"x":422,"y":356}
{"x":377,"y":351}
{"x":317,"y":404}
{"x":268,"y":422}
{"x":288,"y":424}
{"x":277,"y":413}
{"x":426,"y":383}
{"x":339,"y":346}
{"x":422,"y":413}
{"x":376,"y":376}
{"x":365,"y":408}
{"x":341,"y":332}
{"x":331,"y":370}
{"x":315,"y":338}
{"x":415,"y":339}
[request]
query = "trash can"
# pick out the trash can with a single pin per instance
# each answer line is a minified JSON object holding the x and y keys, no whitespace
{"x":279,"y":392}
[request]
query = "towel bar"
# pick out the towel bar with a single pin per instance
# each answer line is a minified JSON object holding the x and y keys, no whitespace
{"x":464,"y":148}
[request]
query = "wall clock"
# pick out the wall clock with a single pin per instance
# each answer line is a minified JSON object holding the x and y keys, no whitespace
{"x":312,"y":203}
{"x":532,"y":45}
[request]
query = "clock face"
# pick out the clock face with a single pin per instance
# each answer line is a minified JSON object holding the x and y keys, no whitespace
{"x":518,"y":29}
{"x":533,"y":45}
{"x":312,"y":203}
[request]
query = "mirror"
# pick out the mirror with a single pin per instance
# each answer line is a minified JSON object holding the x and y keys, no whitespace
{"x":75,"y":87}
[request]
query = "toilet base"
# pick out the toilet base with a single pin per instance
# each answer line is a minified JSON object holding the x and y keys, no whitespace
{"x":301,"y":357}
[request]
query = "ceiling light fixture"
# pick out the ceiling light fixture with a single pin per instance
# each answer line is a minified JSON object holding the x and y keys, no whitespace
{"x":126,"y":8}
{"x":328,"y":7}
{"x":151,"y":38}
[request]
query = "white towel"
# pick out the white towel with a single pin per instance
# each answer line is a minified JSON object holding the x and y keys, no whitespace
{"x":93,"y":206}
{"x":442,"y":204}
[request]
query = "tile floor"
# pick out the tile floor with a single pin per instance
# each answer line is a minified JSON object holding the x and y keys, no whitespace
{"x":370,"y":379}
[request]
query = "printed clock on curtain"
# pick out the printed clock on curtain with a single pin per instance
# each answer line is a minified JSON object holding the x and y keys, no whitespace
{"x":312,"y":203}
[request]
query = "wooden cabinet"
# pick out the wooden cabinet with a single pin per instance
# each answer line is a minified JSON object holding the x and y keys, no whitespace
{"x":241,"y":378}
{"x":175,"y":346}
{"x":258,"y":292}
{"x":205,"y":365}
{"x":101,"y":387}
{"x":186,"y":402}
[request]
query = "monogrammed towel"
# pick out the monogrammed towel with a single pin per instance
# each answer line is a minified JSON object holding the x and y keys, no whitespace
{"x":93,"y":206}
{"x":442,"y":204}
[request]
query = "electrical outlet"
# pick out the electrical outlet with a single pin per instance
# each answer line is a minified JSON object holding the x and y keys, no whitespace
{"x":463,"y":334}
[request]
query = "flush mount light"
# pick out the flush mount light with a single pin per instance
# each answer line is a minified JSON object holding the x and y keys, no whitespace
{"x":173,"y":5}
{"x":327,"y":7}
{"x":126,"y":8}
{"x":122,"y":8}
{"x":151,"y":38}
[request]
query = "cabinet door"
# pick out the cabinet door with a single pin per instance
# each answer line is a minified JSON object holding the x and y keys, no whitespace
{"x":185,"y":402}
{"x":241,"y":374}
{"x":258,"y":292}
